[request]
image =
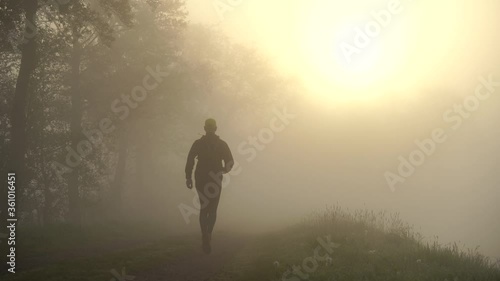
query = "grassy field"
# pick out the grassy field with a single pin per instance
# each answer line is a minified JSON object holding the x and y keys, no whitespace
{"x":93,"y":253}
{"x":364,"y":246}
{"x":332,"y":245}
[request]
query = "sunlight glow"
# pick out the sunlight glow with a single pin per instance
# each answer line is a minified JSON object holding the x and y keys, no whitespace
{"x":352,"y":75}
{"x":304,"y":40}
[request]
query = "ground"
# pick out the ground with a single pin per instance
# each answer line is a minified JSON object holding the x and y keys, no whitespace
{"x":195,"y":265}
{"x":335,"y":245}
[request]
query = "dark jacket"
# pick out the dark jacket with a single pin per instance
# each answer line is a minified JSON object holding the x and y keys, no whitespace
{"x":210,"y":151}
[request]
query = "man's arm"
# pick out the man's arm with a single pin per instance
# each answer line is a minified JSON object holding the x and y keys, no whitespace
{"x":227,"y":156}
{"x":193,"y":152}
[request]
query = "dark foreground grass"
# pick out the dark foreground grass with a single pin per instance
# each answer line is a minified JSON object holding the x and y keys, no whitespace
{"x":361,"y":246}
{"x":65,"y":253}
{"x":367,"y":246}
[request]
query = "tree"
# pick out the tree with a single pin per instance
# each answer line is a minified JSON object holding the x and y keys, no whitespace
{"x":84,"y":26}
{"x":21,"y":93}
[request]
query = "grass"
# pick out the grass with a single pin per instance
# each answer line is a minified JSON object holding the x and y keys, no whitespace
{"x":65,"y":253}
{"x":371,"y":246}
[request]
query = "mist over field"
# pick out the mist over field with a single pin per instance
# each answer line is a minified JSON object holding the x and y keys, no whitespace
{"x":379,"y":105}
{"x":345,"y":137}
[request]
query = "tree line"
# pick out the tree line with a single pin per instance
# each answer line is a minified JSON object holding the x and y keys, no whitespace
{"x":96,"y":96}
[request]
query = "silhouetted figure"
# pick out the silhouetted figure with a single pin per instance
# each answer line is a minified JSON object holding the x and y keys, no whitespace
{"x":211,"y":152}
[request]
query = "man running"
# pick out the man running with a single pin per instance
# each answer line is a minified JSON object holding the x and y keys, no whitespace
{"x":210,"y":151}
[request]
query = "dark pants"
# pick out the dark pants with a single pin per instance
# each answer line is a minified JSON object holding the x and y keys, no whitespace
{"x":209,"y":190}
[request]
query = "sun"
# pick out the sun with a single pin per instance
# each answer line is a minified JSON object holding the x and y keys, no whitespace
{"x":347,"y":51}
{"x":351,"y":54}
{"x":349,"y":58}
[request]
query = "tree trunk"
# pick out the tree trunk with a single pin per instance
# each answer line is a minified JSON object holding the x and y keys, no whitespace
{"x":18,"y":115}
{"x":76,"y":128}
{"x":28,"y":65}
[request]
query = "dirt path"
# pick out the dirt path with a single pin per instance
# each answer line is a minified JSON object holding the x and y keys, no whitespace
{"x":197,"y":266}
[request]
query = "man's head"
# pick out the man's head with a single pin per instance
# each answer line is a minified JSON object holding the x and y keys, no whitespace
{"x":210,"y":125}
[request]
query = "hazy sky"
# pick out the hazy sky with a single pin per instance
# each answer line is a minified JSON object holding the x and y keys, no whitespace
{"x":423,"y":43}
{"x":362,"y":114}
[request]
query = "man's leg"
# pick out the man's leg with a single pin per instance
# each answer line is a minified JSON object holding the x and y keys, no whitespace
{"x":212,"y":191}
{"x":203,"y":211}
{"x":204,"y":223}
{"x":212,"y":212}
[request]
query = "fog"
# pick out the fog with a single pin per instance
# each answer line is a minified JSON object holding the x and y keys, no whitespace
{"x":379,"y":105}
{"x":350,"y":128}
